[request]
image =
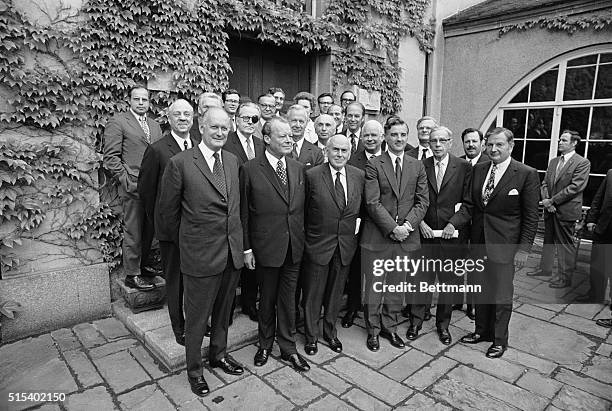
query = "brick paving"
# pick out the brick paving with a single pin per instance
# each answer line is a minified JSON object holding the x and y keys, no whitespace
{"x":558,"y":359}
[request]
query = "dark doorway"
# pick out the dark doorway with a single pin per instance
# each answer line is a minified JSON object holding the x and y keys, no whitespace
{"x":257,"y":66}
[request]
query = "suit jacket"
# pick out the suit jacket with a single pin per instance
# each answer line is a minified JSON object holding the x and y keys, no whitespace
{"x":204,"y":222}
{"x":483,"y":157}
{"x":453,"y":189}
{"x":389,"y":202}
{"x":272,"y":218}
{"x":234,"y":146}
{"x":124,"y":145}
{"x":601,"y":206}
{"x":310,"y":155}
{"x":565,"y":188}
{"x":508,"y":222}
{"x":152,"y":168}
{"x":359,"y":160}
{"x":347,"y":133}
{"x":328,"y":224}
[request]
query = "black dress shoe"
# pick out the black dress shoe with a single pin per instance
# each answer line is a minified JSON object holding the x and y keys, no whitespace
{"x":180,"y":339}
{"x":496,"y":351}
{"x":445,"y":337}
{"x":334,"y":344}
{"x":457,"y":307}
{"x":406,"y":311}
{"x":473,"y":338}
{"x":228,"y":365}
{"x":348,"y":319}
{"x":560,"y":283}
{"x":311,"y":348}
{"x":198,"y":386}
{"x":138,"y":282}
{"x":604,"y":322}
{"x":251,"y":313}
{"x":150,"y":272}
{"x":261,"y":357}
{"x":412,"y":333}
{"x":585,"y":298}
{"x":297,"y":361}
{"x":373,"y":343}
{"x":427,"y":315}
{"x":539,"y":273}
{"x":393,"y":339}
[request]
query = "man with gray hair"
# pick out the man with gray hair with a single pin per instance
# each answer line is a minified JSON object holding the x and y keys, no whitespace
{"x":424,"y":126}
{"x":334,"y":194}
{"x":303,"y":151}
{"x":205,"y":101}
{"x":325,"y":126}
{"x":156,"y":157}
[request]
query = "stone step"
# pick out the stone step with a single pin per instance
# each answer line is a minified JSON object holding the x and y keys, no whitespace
{"x":153,"y":330}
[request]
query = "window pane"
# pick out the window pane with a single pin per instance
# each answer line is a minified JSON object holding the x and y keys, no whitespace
{"x":579,"y":83}
{"x":576,"y":119}
{"x":515,"y":120}
{"x":600,"y":155}
{"x":604,"y":82}
{"x":601,"y":127}
{"x":540,"y":123}
{"x":536,"y":154}
{"x":521,"y":96}
{"x":591,"y":189}
{"x":605,"y":58}
{"x":580,"y":61}
{"x":517,"y":151}
{"x":543,"y":88}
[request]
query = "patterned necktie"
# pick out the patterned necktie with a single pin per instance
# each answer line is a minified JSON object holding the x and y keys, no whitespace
{"x":219,"y":174}
{"x":185,"y":145}
{"x":439,"y":175}
{"x":145,"y":127}
{"x":559,"y":167}
{"x":340,"y":190}
{"x":353,"y":142}
{"x":294,"y":153}
{"x":398,"y":170}
{"x":249,"y":150}
{"x":281,"y":172}
{"x":486,"y":196}
{"x":424,"y":154}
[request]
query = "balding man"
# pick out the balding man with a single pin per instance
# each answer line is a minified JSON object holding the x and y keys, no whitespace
{"x":338,"y":114}
{"x":372,"y":138}
{"x":205,"y":101}
{"x":333,"y":201}
{"x":156,"y":157}
{"x":325,"y":127}
{"x":303,"y":151}
{"x":200,"y":208}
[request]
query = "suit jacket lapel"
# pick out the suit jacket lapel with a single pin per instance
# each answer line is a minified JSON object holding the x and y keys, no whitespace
{"x":505,"y":180}
{"x":270,"y":174}
{"x":351,"y":190}
{"x":293,"y":179}
{"x":451,"y":169}
{"x":565,"y":167}
{"x":405,"y":176}
{"x":390,"y":172}
{"x":173,"y":147}
{"x":327,"y":178}
{"x":479,"y":180}
{"x":227,"y":171}
{"x":235,"y":141}
{"x":201,"y":164}
{"x":430,"y":170}
{"x":132,"y":120}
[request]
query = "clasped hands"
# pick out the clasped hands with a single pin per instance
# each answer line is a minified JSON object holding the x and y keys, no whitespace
{"x":401,"y":232}
{"x":548,"y":205}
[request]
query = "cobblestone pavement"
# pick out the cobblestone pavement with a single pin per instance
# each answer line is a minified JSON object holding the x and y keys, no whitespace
{"x":558,"y":359}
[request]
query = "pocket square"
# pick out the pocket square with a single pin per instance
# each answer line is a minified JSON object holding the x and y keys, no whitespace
{"x":513,"y":192}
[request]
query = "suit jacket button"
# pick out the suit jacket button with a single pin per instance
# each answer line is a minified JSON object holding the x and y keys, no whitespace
{"x":223,"y":199}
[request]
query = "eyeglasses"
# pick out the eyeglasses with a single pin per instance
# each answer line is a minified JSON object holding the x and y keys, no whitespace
{"x":246,"y":119}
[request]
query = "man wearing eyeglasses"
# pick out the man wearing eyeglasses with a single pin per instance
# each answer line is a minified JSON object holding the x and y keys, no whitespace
{"x":267,"y":107}
{"x":448,"y":179}
{"x":347,"y":97}
{"x":231,"y":100}
{"x":424,"y":127}
{"x":242,"y":144}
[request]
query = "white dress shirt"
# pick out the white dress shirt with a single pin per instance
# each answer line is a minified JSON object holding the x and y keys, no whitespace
{"x":299,"y":145}
{"x":310,"y":134}
{"x":428,"y":153}
{"x":342,"y":179}
{"x":474,"y":161}
{"x":378,"y":153}
{"x":323,"y":150}
{"x":274,"y":161}
{"x":181,"y":141}
{"x":208,"y":155}
{"x":393,"y":157}
{"x":243,"y":141}
{"x":443,"y":163}
{"x":499,"y":173}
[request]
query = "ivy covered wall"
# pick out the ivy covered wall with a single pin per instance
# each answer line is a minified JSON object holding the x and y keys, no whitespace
{"x":66,"y":67}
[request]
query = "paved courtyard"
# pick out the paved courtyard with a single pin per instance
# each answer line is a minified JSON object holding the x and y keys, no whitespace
{"x":558,"y":359}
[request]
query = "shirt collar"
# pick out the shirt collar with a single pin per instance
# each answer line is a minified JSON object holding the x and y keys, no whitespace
{"x":334,"y":171}
{"x":242,"y":137}
{"x":274,"y":161}
{"x":475,"y":159}
{"x":393,"y":157}
{"x":569,"y":155}
{"x":299,"y":143}
{"x":207,"y":152}
{"x":180,"y":140}
{"x":444,"y":161}
{"x":138,"y":117}
{"x":504,"y":164}
{"x":370,"y":155}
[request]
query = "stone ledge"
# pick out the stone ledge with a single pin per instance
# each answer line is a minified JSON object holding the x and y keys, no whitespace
{"x":153,"y":330}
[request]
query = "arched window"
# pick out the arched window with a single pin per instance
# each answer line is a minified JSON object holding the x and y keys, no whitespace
{"x":573,"y":91}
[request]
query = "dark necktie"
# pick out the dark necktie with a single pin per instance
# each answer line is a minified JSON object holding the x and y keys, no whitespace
{"x":486,"y":196}
{"x":185,"y":144}
{"x":398,"y":170}
{"x":294,"y":153}
{"x":353,"y":142}
{"x":423,"y":154}
{"x":281,"y":172}
{"x":340,"y":190}
{"x":219,"y":174}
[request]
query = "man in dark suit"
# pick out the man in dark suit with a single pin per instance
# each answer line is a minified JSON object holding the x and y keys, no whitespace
{"x":126,"y":137}
{"x":267,"y":107}
{"x":200,"y":205}
{"x":472,"y":139}
{"x":244,"y":145}
{"x":325,"y":127}
{"x":206,"y":100}
{"x":338,"y":114}
{"x":448,"y":180}
{"x":561,"y":190}
{"x":372,"y":138}
{"x":302,"y":151}
{"x":156,"y":157}
{"x":272,"y":212}
{"x":396,"y":199}
{"x":502,"y":206}
{"x":599,"y":222}
{"x":231,"y":100}
{"x":334,"y":194}
{"x":424,"y":126}
{"x":354,"y":116}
